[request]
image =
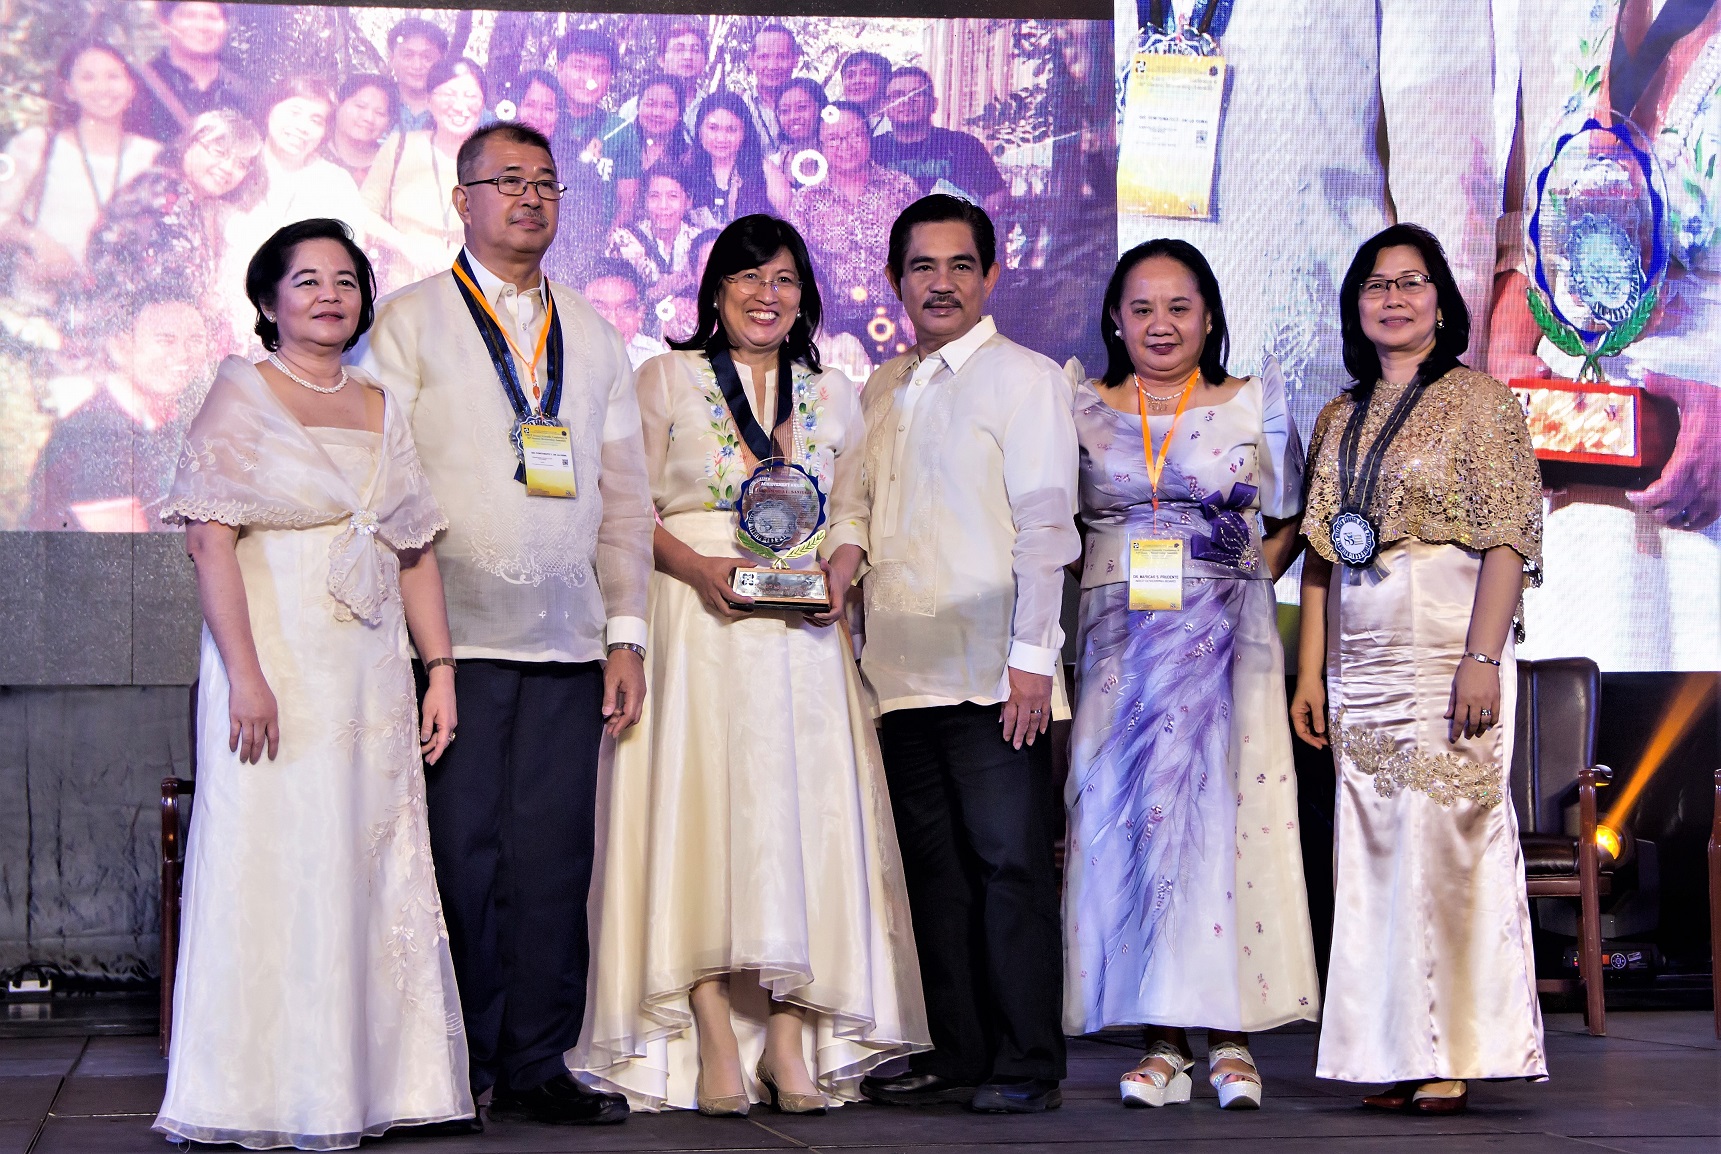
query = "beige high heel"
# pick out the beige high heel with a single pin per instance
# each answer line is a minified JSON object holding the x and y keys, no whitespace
{"x":784,"y":1102}
{"x":721,"y":1106}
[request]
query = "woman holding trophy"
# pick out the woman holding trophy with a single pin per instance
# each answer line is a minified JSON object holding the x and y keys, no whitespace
{"x":753,"y":938}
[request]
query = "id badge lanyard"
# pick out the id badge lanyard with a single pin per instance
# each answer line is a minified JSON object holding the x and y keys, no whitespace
{"x":1156,"y":563}
{"x":1173,"y":95}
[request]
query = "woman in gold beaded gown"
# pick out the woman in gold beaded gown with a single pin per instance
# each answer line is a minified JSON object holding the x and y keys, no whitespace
{"x":1424,"y":518}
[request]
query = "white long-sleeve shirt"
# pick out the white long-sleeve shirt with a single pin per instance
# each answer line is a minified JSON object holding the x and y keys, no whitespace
{"x":526,"y":578}
{"x":970,"y":487}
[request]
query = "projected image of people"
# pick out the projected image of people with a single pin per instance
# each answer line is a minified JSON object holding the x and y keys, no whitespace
{"x":178,"y":135}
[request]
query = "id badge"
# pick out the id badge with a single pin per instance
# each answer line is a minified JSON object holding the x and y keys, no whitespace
{"x":1155,"y":574}
{"x":549,"y":453}
{"x":1169,"y":148}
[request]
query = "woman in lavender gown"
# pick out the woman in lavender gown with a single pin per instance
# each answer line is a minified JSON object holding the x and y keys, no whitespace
{"x":1184,"y":904}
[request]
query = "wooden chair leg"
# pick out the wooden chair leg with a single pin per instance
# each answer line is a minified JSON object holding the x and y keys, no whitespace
{"x":170,"y":868}
{"x":1715,"y":903}
{"x":1589,"y":901}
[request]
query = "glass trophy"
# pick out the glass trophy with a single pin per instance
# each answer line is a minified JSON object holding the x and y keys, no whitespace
{"x":782,"y":517}
{"x":1596,"y":245}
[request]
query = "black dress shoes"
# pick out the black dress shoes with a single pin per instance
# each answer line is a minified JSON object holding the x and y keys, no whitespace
{"x":915,"y":1090}
{"x":559,"y":1102}
{"x":1017,"y":1096}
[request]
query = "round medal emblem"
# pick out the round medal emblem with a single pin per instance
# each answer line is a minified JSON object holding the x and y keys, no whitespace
{"x":1353,"y":539}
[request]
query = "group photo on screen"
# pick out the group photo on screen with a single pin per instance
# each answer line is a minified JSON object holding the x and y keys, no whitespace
{"x":151,"y":147}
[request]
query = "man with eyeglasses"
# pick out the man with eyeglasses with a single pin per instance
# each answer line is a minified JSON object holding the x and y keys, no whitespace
{"x":522,"y":403}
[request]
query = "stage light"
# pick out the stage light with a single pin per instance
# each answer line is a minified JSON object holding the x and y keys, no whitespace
{"x":1607,"y":841}
{"x":1682,"y":712}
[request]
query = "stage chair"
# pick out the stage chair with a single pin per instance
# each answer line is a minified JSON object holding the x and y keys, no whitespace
{"x":1554,"y":758}
{"x":1715,"y":903}
{"x":176,"y":798}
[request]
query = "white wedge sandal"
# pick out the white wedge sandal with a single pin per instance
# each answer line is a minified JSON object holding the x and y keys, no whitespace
{"x":1237,"y":1090}
{"x":1159,"y":1090}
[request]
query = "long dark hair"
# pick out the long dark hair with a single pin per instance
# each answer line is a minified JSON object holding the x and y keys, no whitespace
{"x":748,"y":243}
{"x":65,"y":112}
{"x":1451,"y":337}
{"x":749,"y":162}
{"x":1215,"y":350}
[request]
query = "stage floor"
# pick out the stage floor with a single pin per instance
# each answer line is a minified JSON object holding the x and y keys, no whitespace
{"x":1653,"y":1086}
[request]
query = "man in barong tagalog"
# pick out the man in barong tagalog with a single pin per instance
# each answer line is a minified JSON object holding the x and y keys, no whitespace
{"x":523,"y":405}
{"x":969,"y":487}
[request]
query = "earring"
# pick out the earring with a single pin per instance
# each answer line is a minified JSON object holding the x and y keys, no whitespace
{"x":270,"y":317}
{"x":1439,"y":322}
{"x":1117,"y":332}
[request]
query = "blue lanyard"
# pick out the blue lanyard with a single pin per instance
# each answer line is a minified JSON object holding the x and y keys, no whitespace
{"x":1209,"y":17}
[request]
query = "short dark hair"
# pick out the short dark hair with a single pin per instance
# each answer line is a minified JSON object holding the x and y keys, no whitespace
{"x":912,"y":70}
{"x":664,"y":80}
{"x":472,"y":148}
{"x":415,"y":26}
{"x":270,"y":264}
{"x":359,"y":81}
{"x":168,"y":7}
{"x":681,"y":26}
{"x":932,"y":209}
{"x":610,"y":268}
{"x":781,"y":29}
{"x":873,"y":60}
{"x":304,"y":86}
{"x":812,"y":87}
{"x":1217,"y":347}
{"x":748,"y":243}
{"x":1362,"y":359}
{"x":587,"y":42}
{"x":840,"y":106}
{"x":450,"y":67}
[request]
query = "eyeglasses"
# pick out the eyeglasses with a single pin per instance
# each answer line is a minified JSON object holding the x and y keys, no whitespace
{"x":752,"y":282}
{"x":1410,"y":284}
{"x":517,"y":185}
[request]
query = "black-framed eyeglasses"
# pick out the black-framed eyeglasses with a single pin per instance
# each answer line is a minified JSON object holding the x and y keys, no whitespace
{"x":1410,"y":284}
{"x":752,"y":282}
{"x":517,"y":185}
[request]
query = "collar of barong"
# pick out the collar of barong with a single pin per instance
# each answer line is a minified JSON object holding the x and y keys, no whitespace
{"x":248,"y":462}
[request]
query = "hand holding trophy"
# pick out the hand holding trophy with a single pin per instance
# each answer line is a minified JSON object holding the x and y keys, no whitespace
{"x":782,"y":515}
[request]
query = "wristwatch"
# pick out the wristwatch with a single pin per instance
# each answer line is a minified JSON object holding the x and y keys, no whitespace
{"x":435,"y":661}
{"x":628,"y":645}
{"x":1482,"y":657}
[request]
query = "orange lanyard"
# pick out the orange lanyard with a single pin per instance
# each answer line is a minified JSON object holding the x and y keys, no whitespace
{"x":1156,"y":461}
{"x":543,"y":334}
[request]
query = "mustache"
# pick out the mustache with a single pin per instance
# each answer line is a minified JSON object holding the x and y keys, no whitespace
{"x":524,"y":213}
{"x":949,"y":299}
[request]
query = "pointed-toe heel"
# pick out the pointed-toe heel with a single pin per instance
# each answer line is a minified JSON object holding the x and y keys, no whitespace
{"x":720,"y":1106}
{"x":784,"y":1102}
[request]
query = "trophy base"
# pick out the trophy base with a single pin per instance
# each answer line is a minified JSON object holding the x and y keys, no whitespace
{"x":801,"y":589}
{"x":1610,"y":435}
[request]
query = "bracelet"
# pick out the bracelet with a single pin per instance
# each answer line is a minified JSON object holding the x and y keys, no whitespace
{"x":435,"y":661}
{"x":628,"y":645}
{"x":1483,"y":658}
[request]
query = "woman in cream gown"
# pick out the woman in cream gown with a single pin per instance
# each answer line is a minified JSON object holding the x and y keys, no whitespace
{"x":750,"y":879}
{"x":1432,"y":981}
{"x":315,"y":1000}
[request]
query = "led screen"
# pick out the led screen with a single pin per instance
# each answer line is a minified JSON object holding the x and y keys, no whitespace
{"x":152,"y":146}
{"x":1293,"y":132}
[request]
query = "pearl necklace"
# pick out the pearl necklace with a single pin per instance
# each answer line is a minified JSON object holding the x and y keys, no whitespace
{"x":298,"y":380}
{"x":1157,"y":402}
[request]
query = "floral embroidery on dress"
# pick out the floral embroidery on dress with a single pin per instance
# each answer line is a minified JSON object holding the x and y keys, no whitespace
{"x":1444,"y":777}
{"x":725,"y":467}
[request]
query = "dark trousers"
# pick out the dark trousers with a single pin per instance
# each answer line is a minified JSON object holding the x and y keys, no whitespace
{"x":512,"y":806}
{"x":975,"y":819}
